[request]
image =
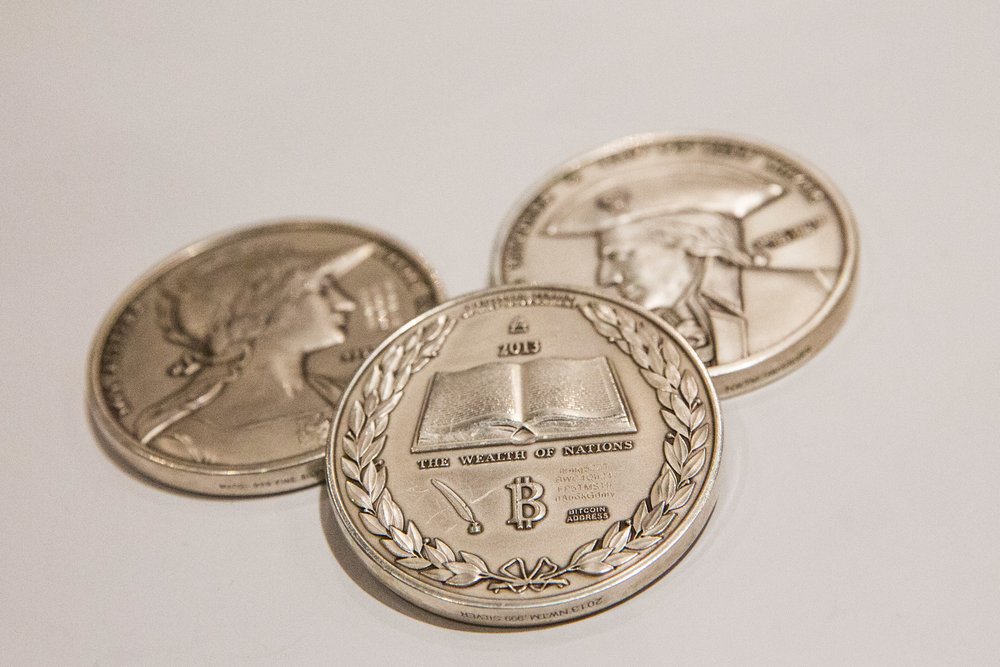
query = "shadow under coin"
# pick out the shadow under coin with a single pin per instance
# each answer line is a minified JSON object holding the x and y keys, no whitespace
{"x":365,"y":580}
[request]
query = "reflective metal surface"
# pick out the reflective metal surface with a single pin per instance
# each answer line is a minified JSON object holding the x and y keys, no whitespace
{"x":748,"y":252}
{"x":525,"y":455}
{"x":219,"y":371}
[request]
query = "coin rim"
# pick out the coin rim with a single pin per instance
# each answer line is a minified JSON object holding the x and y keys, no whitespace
{"x":203,"y":477}
{"x":631,"y":580}
{"x":775,"y":361}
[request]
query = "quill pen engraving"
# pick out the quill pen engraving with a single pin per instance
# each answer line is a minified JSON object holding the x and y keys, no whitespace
{"x":461,"y":507}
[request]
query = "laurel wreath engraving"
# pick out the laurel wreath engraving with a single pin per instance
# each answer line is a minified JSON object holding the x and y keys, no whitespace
{"x":684,"y":451}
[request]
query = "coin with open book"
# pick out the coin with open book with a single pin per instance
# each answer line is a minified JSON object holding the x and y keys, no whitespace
{"x":521,"y":403}
{"x":525,"y":455}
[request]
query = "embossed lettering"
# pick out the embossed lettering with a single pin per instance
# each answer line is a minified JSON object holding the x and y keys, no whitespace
{"x":526,"y":507}
{"x":519,"y":348}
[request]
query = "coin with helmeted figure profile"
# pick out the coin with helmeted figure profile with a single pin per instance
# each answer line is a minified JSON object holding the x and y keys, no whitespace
{"x":219,"y":372}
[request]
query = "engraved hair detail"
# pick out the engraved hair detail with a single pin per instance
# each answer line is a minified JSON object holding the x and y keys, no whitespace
{"x":267,"y":282}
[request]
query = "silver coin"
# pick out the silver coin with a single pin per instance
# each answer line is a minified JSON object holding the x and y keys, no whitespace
{"x":748,"y":252}
{"x":220,"y":370}
{"x":525,"y":455}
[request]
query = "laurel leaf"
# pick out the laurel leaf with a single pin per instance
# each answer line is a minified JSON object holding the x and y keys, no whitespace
{"x":384,"y":509}
{"x":390,"y":362}
{"x":653,"y":517}
{"x":379,"y":483}
{"x":588,"y":312}
{"x":439,"y":574}
{"x":411,"y":355}
{"x":655,"y":494}
{"x":655,"y":359}
{"x":582,"y":551}
{"x":622,"y":345}
{"x":350,"y":449}
{"x":397,"y":514}
{"x":699,"y":437}
{"x":365,"y":439}
{"x":387,"y":385}
{"x":414,"y":534}
{"x":449,"y":324}
{"x":649,"y":339}
{"x":670,"y":453}
{"x":673,"y":375}
{"x":474,"y":560}
{"x":404,"y":375}
{"x":358,"y":496}
{"x":680,"y":409}
{"x":465,"y":579}
{"x":606,"y":313}
{"x":619,"y":559}
{"x":435,"y":328}
{"x":661,"y":525}
{"x":682,"y":496}
{"x":597,"y":556}
{"x":431,"y":350}
{"x":445,"y":549}
{"x":374,"y":449}
{"x":654,"y":380}
{"x":368,"y":477}
{"x":698,"y":415}
{"x":373,"y":379}
{"x":634,"y":340}
{"x":606,"y":330}
{"x":357,"y":419}
{"x":671,"y":355}
{"x":640,"y":513}
{"x":435,"y":555}
{"x":639,"y":356}
{"x":414,"y":563}
{"x":620,"y":539}
{"x":668,"y":485}
{"x":402,"y":539}
{"x":609,"y":535}
{"x":689,"y":388}
{"x":393,"y":548}
{"x":410,"y":342}
{"x":694,"y":464}
{"x":673,"y":422}
{"x":681,"y":448}
{"x":595,"y":567}
{"x":373,"y":526}
{"x":641,"y":543}
{"x":458,"y":567}
{"x":350,"y":468}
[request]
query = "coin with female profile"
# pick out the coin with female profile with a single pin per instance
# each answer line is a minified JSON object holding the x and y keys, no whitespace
{"x":748,"y":252}
{"x":219,"y":372}
{"x":525,"y":455}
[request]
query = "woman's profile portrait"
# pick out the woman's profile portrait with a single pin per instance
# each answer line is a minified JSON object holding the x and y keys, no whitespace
{"x":243,"y":326}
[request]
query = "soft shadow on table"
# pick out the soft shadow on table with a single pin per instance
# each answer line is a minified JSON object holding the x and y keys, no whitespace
{"x":365,"y":580}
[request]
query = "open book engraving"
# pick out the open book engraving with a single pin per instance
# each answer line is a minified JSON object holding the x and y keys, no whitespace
{"x":520,"y":403}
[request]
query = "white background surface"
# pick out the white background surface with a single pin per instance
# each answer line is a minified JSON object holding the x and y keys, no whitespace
{"x":860,"y":521}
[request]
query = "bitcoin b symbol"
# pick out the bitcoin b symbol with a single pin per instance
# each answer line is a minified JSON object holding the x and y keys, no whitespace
{"x":526,"y":507}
